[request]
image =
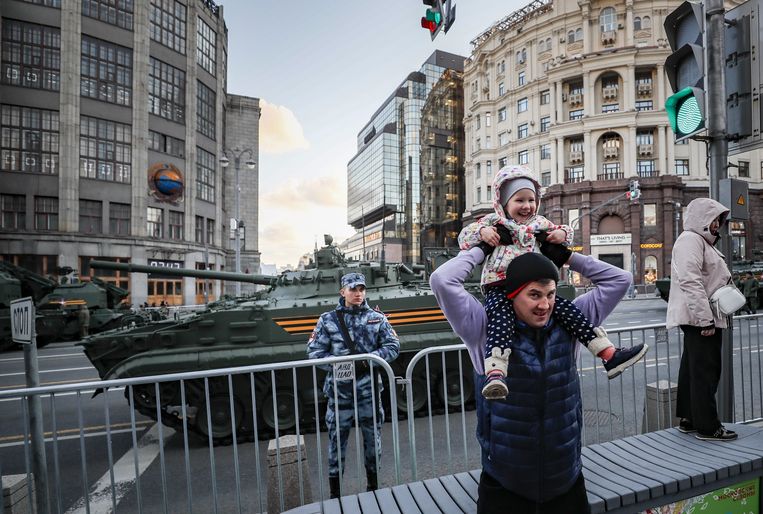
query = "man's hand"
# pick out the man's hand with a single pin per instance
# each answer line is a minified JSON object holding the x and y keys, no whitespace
{"x":490,"y":236}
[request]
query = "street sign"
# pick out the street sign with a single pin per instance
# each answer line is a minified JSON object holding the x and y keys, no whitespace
{"x":22,"y":320}
{"x":734,"y":194}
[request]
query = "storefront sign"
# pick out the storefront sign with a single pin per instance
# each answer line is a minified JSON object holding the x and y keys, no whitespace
{"x":610,"y":239}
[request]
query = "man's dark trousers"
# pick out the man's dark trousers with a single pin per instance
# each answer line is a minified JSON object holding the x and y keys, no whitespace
{"x":495,"y":499}
{"x":698,"y":379}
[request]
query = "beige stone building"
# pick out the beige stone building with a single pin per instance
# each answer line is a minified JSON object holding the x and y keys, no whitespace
{"x":576,"y":91}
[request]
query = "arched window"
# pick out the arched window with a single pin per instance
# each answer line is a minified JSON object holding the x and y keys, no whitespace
{"x":542,"y":45}
{"x":548,"y":44}
{"x":608,"y":19}
{"x":571,"y":36}
{"x":636,"y":23}
{"x":646,"y":23}
{"x":579,"y":35}
{"x":650,"y":269}
{"x":524,"y":54}
{"x":519,"y":57}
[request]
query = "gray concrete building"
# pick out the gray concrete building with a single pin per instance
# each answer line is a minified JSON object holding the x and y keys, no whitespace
{"x":113,"y":120}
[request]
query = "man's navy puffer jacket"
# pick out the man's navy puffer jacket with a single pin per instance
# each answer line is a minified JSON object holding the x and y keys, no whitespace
{"x":539,"y":456}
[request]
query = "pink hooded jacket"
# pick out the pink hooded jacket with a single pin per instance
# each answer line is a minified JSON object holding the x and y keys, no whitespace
{"x":494,"y":269}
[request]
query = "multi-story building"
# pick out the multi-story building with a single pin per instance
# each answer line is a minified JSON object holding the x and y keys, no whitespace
{"x":442,"y":162}
{"x":576,"y":91}
{"x":383,"y":178}
{"x":113,"y":125}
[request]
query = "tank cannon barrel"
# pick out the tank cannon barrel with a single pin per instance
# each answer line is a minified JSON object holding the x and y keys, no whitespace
{"x":264,"y":280}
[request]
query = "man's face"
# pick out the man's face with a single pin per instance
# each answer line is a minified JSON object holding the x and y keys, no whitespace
{"x":353,"y":296}
{"x":534,"y":303}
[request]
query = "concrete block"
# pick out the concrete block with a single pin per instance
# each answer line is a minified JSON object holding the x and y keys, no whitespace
{"x":16,"y":495}
{"x":660,"y":406}
{"x":285,"y":450}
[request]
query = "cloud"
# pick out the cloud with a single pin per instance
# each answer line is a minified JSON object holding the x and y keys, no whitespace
{"x":280,"y":130}
{"x":324,"y":191}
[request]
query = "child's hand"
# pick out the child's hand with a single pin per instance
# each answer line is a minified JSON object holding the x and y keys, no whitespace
{"x":557,"y":236}
{"x":490,"y":236}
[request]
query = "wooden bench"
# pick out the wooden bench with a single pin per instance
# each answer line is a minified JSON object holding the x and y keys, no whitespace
{"x":623,"y":476}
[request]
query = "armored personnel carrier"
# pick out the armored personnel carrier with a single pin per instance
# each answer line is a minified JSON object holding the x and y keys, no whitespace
{"x":273,"y":326}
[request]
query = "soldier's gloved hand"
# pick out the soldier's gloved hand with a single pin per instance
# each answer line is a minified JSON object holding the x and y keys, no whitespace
{"x":558,"y":253}
{"x":361,"y":367}
{"x":505,"y":234}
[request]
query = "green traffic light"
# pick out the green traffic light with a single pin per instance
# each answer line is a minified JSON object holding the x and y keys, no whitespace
{"x":434,"y":16}
{"x":685,"y":113}
{"x":689,"y":116}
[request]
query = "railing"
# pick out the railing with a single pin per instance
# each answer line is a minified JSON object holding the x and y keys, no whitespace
{"x":196,"y":460}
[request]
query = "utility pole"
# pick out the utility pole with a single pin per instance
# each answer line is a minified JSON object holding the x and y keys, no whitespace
{"x":718,"y":159}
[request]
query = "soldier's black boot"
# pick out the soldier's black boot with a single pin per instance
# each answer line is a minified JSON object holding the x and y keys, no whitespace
{"x":372,"y":481}
{"x":334,"y":486}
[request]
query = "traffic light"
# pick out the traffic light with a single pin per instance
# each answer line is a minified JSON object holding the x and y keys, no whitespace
{"x":742,"y":78}
{"x":433,"y":20}
{"x":634,"y":193}
{"x":685,"y":68}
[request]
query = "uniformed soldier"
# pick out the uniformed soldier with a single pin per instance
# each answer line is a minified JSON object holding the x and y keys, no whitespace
{"x":370,"y":333}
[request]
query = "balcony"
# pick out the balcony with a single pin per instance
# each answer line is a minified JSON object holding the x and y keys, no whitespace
{"x":613,"y":175}
{"x":576,"y":99}
{"x":576,"y":156}
{"x":609,"y":37}
{"x":609,"y":92}
{"x":644,"y":89}
{"x":572,"y":175}
{"x":611,"y":152}
{"x":648,"y":173}
{"x":645,"y":150}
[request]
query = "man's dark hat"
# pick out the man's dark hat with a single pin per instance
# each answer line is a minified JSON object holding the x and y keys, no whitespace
{"x":527,"y":268}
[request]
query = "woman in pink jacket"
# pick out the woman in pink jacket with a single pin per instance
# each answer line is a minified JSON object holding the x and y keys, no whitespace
{"x":698,"y":269}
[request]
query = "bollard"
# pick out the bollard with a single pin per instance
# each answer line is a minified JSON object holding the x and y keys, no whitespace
{"x":289,"y":474}
{"x":659,"y":406}
{"x":15,"y":495}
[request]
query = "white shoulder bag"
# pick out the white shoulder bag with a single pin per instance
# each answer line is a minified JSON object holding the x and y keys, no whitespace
{"x":727,"y":300}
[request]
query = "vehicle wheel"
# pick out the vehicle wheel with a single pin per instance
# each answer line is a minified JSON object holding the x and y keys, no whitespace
{"x":219,"y":412}
{"x":419,"y":387}
{"x":453,"y":388}
{"x":287,"y":419}
{"x":145,"y":394}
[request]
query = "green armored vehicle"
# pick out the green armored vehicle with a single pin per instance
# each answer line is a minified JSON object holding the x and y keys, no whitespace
{"x":273,"y":326}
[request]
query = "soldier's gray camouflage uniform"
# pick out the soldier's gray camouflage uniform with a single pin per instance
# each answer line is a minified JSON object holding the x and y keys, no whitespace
{"x":371,"y":333}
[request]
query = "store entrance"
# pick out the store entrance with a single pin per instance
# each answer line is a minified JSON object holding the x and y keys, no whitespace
{"x":165,"y":290}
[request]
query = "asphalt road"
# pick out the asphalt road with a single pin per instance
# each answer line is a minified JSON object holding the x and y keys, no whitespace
{"x":80,"y":459}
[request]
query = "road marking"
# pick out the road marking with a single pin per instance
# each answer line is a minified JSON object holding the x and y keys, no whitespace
{"x":58,"y":395}
{"x":99,"y":497}
{"x":44,"y":357}
{"x":73,"y":433}
{"x":46,"y":371}
{"x":55,"y":382}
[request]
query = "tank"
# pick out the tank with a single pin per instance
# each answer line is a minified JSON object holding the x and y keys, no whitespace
{"x":739,"y":267}
{"x":57,"y":304}
{"x":273,"y":325}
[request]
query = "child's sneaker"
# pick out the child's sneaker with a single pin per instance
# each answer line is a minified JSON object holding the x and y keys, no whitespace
{"x":496,"y":367}
{"x":624,"y":358}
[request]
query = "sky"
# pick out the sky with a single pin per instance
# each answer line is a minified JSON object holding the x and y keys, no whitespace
{"x":320,"y":70}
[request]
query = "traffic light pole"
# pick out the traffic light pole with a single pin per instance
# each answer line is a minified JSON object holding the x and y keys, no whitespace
{"x":718,"y":159}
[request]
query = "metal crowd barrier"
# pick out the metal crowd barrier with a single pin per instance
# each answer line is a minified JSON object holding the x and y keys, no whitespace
{"x":192,"y":475}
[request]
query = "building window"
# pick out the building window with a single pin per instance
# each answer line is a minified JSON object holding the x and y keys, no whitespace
{"x":489,"y":168}
{"x":166,"y":144}
{"x":119,"y":219}
{"x":31,"y":55}
{"x":502,"y":162}
{"x":501,"y":89}
{"x":610,"y":108}
{"x":578,"y":34}
{"x":573,"y":215}
{"x":545,"y":97}
{"x":155,"y":222}
{"x":168,"y":24}
{"x":744,"y":169}
{"x":501,"y":114}
{"x":205,"y":111}
{"x":479,"y":122}
{"x":608,"y":19}
{"x":503,"y":138}
{"x":13,"y":212}
{"x":205,"y":175}
{"x":211,"y":232}
{"x":522,"y":105}
{"x":206,"y":46}
{"x":29,"y":139}
{"x":576,"y":114}
{"x":90,"y":217}
{"x":199,"y":233}
{"x":523,"y":157}
{"x":479,"y":195}
{"x":175,"y":224}
{"x":636,"y":23}
{"x":570,"y":37}
{"x":488,"y":120}
{"x":545,"y":123}
{"x":478,"y":145}
{"x":478,"y":170}
{"x":650,"y":215}
{"x":166,"y":91}
{"x":487,"y":142}
{"x":545,"y":179}
{"x":574,"y":174}
{"x":522,"y":131}
{"x":682,"y":167}
{"x":47,"y":3}
{"x":105,"y":149}
{"x":644,"y":105}
{"x":644,"y":137}
{"x":645,"y":168}
{"x":113,"y":12}
{"x":545,"y":151}
{"x":610,"y":171}
{"x":45,"y":213}
{"x":106,"y":72}
{"x":521,"y":78}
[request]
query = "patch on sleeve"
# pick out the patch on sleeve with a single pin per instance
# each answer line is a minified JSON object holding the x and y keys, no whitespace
{"x":373,"y":321}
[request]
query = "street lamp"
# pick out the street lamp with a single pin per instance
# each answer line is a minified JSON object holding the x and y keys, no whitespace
{"x":224,"y":162}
